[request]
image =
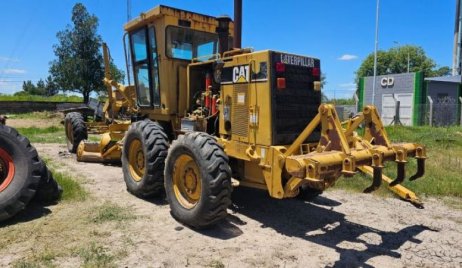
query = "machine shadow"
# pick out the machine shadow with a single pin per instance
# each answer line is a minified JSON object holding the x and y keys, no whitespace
{"x":33,"y":211}
{"x":314,"y":221}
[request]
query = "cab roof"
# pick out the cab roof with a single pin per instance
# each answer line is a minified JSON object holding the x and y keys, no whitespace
{"x":161,"y":10}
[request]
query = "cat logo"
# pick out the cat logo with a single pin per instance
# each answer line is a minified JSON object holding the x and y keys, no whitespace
{"x":241,"y":74}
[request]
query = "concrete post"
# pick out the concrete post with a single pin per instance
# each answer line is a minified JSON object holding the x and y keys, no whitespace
{"x":356,"y":103}
{"x":430,"y":117}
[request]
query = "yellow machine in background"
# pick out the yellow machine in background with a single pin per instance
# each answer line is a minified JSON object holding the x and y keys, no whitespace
{"x":117,"y":112}
{"x":209,"y":117}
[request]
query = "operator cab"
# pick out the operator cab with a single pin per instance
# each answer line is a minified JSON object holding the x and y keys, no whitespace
{"x":162,"y":42}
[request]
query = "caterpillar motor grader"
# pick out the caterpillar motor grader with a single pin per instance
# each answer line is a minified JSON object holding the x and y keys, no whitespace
{"x":210,"y":116}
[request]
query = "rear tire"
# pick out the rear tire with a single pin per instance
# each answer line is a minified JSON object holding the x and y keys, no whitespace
{"x":48,"y":190}
{"x":19,"y":172}
{"x":76,"y":130}
{"x":143,"y":159}
{"x":198,"y":180}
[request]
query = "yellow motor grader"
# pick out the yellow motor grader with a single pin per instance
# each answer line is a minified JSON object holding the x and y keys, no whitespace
{"x":210,"y":116}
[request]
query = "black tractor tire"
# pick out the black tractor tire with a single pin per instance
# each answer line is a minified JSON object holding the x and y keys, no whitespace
{"x":48,"y":190}
{"x":147,"y":142}
{"x":20,"y":172}
{"x":308,"y":193}
{"x":215,"y":180}
{"x":76,"y":130}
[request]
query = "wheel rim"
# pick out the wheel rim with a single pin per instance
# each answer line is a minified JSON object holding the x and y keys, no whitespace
{"x":187,"y":181}
{"x":7,"y":169}
{"x":70,"y":135}
{"x":136,"y":160}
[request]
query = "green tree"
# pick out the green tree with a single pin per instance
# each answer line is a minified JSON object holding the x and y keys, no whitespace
{"x":442,"y":71}
{"x":116,"y":74}
{"x":395,"y":60}
{"x":78,"y":66}
{"x":51,"y":87}
{"x":40,"y":88}
{"x":28,"y":87}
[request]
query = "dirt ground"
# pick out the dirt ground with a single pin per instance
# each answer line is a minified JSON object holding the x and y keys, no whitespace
{"x":337,"y":229}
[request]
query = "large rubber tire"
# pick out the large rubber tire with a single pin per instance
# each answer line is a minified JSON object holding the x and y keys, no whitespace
{"x":143,"y":159}
{"x":48,"y":190}
{"x":20,"y":173}
{"x":76,"y":130}
{"x":206,"y":156}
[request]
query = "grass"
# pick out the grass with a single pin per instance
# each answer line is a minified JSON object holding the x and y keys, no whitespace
{"x":111,"y":212}
{"x":215,"y":264}
{"x":443,"y":167}
{"x":55,"y":98}
{"x":53,"y":134}
{"x":72,"y":190}
{"x":95,"y":256}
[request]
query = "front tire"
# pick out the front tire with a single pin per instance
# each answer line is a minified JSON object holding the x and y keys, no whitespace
{"x":76,"y":130}
{"x":143,"y":159}
{"x":198,"y":180}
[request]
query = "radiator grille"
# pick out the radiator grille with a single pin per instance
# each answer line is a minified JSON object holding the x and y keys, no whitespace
{"x":295,"y":106}
{"x":240,"y":120}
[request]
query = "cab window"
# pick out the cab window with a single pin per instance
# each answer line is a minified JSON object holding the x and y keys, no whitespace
{"x":186,"y":44}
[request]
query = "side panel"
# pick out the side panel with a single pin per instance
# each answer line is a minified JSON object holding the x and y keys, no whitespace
{"x":245,"y":99}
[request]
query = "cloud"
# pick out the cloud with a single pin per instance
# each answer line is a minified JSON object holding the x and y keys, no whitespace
{"x":8,"y":59}
{"x":347,"y":57}
{"x":13,"y":71}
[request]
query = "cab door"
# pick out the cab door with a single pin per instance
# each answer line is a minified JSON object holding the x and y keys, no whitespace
{"x":145,"y":67}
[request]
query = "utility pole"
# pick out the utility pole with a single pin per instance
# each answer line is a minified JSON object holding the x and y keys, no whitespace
{"x":375,"y":51}
{"x":456,"y":54}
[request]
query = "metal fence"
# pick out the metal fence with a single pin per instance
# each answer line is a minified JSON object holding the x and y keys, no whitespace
{"x":443,"y":112}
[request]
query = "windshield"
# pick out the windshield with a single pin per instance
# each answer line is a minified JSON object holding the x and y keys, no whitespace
{"x":187,"y":44}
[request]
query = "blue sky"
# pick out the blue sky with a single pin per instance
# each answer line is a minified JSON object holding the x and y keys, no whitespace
{"x":339,"y":32}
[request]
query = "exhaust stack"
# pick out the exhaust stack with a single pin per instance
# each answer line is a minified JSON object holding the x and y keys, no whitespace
{"x":237,"y":24}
